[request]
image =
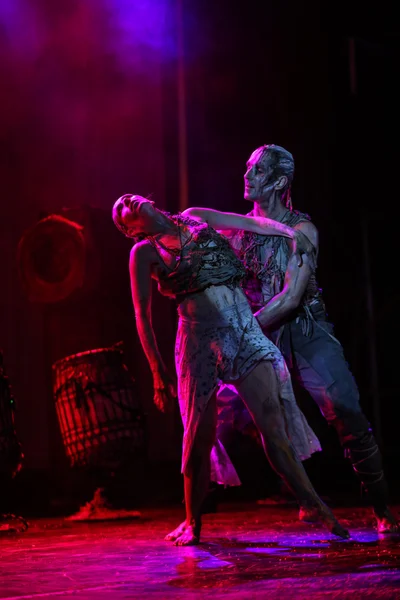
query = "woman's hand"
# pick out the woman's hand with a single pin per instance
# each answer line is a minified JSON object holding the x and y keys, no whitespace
{"x":164,"y":390}
{"x":302,"y":245}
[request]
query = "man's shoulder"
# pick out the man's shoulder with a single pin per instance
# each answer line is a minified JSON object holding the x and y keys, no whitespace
{"x":310,"y":231}
{"x":293,"y":217}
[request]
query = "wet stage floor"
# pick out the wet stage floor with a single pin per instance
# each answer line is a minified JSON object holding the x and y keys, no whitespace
{"x":248,"y":551}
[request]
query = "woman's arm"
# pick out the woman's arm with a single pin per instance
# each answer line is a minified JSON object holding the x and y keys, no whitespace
{"x":140,"y":269}
{"x":224,"y":220}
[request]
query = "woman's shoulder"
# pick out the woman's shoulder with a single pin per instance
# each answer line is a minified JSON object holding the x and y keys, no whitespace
{"x":142,"y":251}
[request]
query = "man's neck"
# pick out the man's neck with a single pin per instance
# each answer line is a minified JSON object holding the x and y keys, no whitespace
{"x":271,"y":208}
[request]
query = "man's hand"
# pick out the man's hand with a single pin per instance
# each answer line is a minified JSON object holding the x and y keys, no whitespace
{"x":164,"y":391}
{"x":302,"y":245}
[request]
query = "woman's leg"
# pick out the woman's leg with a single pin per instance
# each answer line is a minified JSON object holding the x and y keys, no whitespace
{"x":260,"y":392}
{"x":197,"y":478}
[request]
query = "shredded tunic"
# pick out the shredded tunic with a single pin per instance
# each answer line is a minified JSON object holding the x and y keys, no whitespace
{"x":265,"y":259}
{"x":219,"y":340}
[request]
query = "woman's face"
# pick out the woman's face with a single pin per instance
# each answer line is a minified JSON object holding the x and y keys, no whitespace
{"x":136,"y":215}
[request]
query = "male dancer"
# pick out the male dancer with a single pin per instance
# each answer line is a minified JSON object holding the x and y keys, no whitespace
{"x":287,"y":303}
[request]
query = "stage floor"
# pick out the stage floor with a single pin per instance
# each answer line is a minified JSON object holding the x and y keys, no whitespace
{"x":248,"y":551}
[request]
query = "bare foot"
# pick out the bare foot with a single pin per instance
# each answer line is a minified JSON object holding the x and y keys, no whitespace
{"x":308,"y":514}
{"x":386,"y":522}
{"x":171,"y":537}
{"x":331,"y":523}
{"x":188,"y":537}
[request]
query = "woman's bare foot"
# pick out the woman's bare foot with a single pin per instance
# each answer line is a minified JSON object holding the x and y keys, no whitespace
{"x":185,"y":534}
{"x":315,"y":514}
{"x":331,"y":523}
{"x":171,"y":537}
{"x":309,"y":514}
{"x":189,"y":537}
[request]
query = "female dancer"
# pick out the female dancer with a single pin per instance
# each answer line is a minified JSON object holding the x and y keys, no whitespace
{"x":218,"y":340}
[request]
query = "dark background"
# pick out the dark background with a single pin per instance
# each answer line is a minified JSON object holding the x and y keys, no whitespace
{"x":89,"y":110}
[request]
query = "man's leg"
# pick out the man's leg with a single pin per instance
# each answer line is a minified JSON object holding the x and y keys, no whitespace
{"x":259,"y":391}
{"x":197,"y":479}
{"x":319,"y":366}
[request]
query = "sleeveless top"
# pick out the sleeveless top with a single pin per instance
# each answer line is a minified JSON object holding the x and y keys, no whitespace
{"x":265,"y":258}
{"x":206,"y":259}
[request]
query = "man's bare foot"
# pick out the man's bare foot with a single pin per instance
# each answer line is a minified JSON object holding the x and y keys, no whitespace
{"x":188,"y":537}
{"x":386,"y":522}
{"x":171,"y":537}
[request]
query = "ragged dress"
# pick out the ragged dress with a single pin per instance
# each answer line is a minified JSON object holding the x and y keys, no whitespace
{"x":218,"y":338}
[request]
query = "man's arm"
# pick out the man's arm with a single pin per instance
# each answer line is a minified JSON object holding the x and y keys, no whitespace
{"x":296,"y":280}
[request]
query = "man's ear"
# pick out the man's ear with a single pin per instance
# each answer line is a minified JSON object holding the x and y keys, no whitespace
{"x":281,"y":183}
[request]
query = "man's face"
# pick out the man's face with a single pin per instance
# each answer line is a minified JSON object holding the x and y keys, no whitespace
{"x":257,"y":176}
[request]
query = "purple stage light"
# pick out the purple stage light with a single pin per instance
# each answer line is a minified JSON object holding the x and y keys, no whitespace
{"x":145,"y":27}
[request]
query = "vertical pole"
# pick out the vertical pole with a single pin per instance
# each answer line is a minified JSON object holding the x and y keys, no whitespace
{"x":182,"y":125}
